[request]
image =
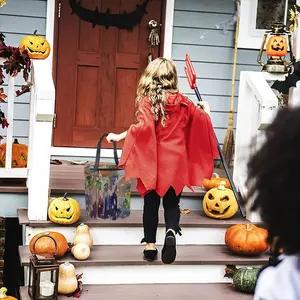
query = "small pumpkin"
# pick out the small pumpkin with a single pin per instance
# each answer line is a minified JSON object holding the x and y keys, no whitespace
{"x":67,"y":281}
{"x":64,"y":210}
{"x":214,"y":182}
{"x":37,"y":46}
{"x":3,"y":295}
{"x":45,"y":246}
{"x":19,"y":155}
{"x":220,"y":203}
{"x":246,"y":239}
{"x":244,"y":279}
{"x":276,"y":46}
{"x":83,"y":235}
{"x":81,"y":251}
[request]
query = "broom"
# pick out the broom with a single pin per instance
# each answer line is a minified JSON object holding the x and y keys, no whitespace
{"x":228,"y":146}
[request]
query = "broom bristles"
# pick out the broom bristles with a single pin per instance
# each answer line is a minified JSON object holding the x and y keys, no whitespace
{"x":228,"y":147}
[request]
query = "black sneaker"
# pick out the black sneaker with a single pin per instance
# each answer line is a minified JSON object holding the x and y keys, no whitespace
{"x":169,"y":250}
{"x":150,"y":255}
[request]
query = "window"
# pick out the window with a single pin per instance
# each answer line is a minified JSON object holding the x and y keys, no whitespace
{"x":257,"y":16}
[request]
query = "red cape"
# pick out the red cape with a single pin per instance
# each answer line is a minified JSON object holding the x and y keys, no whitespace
{"x":180,"y":154}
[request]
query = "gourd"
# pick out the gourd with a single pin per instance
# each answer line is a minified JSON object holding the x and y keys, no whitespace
{"x":81,"y":251}
{"x":67,"y":281}
{"x":214,"y":182}
{"x":45,"y":246}
{"x":3,"y":295}
{"x":246,"y":239}
{"x":19,"y":155}
{"x":64,"y":210}
{"x":244,"y":279}
{"x":220,"y":203}
{"x":83,"y":235}
{"x":276,"y":46}
{"x":37,"y":46}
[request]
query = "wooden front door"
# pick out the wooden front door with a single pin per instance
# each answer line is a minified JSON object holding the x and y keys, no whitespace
{"x":97,"y":70}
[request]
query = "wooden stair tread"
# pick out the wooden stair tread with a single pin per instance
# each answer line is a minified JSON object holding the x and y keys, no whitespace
{"x":194,"y":219}
{"x":132,"y":255}
{"x":216,"y":291}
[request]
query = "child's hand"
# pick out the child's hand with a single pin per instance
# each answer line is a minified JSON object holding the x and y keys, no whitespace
{"x":112,"y":137}
{"x":204,"y":105}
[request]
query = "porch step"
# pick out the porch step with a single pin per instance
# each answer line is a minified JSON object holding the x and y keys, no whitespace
{"x":125,"y":265}
{"x":197,"y":229}
{"x":217,"y":291}
{"x":132,"y":255}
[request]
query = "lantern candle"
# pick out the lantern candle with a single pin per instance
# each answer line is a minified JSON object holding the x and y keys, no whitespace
{"x":47,"y":288}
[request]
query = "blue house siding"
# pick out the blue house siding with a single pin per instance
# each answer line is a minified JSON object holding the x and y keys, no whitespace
{"x":19,"y":18}
{"x":211,"y":55}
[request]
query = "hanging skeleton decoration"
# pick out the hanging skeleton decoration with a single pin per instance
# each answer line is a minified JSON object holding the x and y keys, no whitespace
{"x":153,"y":38}
{"x":122,"y":21}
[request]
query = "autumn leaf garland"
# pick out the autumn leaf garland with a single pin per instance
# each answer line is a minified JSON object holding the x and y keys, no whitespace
{"x":16,"y":60}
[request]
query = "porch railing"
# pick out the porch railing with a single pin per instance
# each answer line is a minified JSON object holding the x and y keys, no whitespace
{"x":39,"y":140}
{"x":257,"y":107}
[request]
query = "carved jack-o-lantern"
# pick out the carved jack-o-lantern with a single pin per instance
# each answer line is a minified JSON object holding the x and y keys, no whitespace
{"x":276,"y":46}
{"x":64,"y":210}
{"x":37,"y":46}
{"x":220,"y":203}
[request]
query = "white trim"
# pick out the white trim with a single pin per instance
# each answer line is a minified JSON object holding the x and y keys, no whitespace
{"x":50,"y":28}
{"x":168,"y":38}
{"x":81,"y":152}
{"x":168,"y":34}
{"x":249,"y":36}
{"x":13,"y":173}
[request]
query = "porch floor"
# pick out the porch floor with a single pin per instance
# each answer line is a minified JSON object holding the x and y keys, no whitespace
{"x":69,"y":178}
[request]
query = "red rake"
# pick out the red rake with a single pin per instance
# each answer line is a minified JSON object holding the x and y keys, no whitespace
{"x":191,"y":77}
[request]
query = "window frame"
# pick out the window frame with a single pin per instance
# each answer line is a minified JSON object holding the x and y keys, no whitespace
{"x":249,"y":36}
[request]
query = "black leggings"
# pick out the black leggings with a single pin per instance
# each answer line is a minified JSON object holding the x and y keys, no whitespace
{"x":150,"y":215}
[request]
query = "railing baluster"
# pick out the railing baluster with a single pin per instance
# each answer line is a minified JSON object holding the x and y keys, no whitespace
{"x":10,"y":119}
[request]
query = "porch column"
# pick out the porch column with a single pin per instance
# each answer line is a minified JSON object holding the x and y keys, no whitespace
{"x":40,"y":139}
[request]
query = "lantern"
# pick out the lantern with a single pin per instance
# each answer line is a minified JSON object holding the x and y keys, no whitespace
{"x":43,"y":275}
{"x":276,"y":50}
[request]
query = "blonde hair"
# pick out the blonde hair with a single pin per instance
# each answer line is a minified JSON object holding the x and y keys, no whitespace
{"x":159,"y":77}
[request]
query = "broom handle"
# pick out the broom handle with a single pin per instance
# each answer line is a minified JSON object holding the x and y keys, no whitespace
{"x":234,"y":64}
{"x":236,"y":194}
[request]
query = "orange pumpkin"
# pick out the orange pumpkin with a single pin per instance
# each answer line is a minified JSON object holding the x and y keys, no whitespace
{"x":276,"y":46}
{"x":45,"y":246}
{"x":214,"y":182}
{"x":19,"y":155}
{"x":3,"y":295}
{"x":246,"y":239}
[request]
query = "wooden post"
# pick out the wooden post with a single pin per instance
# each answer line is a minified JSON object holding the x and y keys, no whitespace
{"x":257,"y":107}
{"x":40,"y":139}
{"x":294,"y":99}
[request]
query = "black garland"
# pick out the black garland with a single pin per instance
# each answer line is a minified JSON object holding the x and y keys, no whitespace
{"x":121,"y":21}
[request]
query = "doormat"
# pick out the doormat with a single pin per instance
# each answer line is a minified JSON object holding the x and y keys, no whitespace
{"x":122,"y":21}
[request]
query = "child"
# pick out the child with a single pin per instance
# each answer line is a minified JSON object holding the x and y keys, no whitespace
{"x":172,"y":145}
{"x":274,"y":180}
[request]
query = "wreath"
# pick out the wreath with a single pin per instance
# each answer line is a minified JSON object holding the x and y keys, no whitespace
{"x":122,"y":21}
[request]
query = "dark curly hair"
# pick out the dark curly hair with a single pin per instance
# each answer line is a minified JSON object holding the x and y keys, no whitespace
{"x":274,"y":180}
